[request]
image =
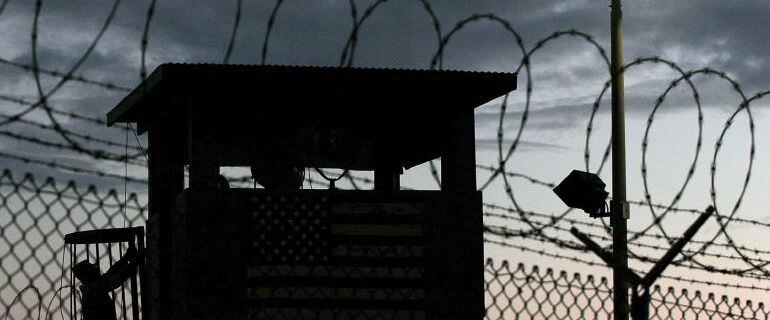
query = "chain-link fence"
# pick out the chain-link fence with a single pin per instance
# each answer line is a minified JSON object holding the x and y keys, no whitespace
{"x":35,"y":215}
{"x":518,"y":292}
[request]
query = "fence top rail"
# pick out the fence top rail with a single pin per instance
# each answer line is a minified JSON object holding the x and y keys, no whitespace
{"x":104,"y":235}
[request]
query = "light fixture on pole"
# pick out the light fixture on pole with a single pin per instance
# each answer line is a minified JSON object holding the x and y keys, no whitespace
{"x":585,"y":191}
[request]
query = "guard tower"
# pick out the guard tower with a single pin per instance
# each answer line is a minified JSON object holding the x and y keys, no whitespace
{"x":252,"y":253}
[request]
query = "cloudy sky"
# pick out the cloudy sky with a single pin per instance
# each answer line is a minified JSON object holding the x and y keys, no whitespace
{"x":567,"y":77}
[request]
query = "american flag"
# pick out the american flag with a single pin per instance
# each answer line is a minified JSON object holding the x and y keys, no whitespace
{"x":321,"y":254}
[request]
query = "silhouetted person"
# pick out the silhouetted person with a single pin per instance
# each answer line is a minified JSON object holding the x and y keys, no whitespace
{"x":278,"y":175}
{"x":95,"y":287}
{"x":222,"y":182}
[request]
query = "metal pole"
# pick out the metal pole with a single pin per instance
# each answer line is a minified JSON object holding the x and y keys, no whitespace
{"x":618,"y":205}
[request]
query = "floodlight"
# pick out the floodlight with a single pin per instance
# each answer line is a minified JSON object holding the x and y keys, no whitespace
{"x":585,"y":191}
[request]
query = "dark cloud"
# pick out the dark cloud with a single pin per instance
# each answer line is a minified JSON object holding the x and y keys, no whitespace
{"x":523,"y":145}
{"x":567,"y":74}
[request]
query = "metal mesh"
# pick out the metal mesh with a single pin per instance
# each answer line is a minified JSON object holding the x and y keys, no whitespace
{"x":34,"y":217}
{"x":518,"y":292}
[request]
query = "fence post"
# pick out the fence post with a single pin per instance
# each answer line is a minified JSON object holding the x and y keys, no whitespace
{"x":618,"y":205}
{"x":641,"y":302}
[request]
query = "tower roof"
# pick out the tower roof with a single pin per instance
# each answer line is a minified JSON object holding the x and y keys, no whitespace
{"x":407,"y":108}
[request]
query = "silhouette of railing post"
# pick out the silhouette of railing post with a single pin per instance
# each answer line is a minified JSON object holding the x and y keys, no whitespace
{"x":641,"y":300}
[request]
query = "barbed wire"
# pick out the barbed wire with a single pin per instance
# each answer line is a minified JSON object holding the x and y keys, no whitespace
{"x":68,"y":168}
{"x":234,"y":33}
{"x":639,"y":235}
{"x":506,"y":233}
{"x":66,"y":77}
{"x":591,"y":263}
{"x":348,"y":52}
{"x":545,"y":227}
{"x":502,"y":230}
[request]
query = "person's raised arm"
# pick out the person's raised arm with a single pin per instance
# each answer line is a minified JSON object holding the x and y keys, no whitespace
{"x":122,"y":269}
